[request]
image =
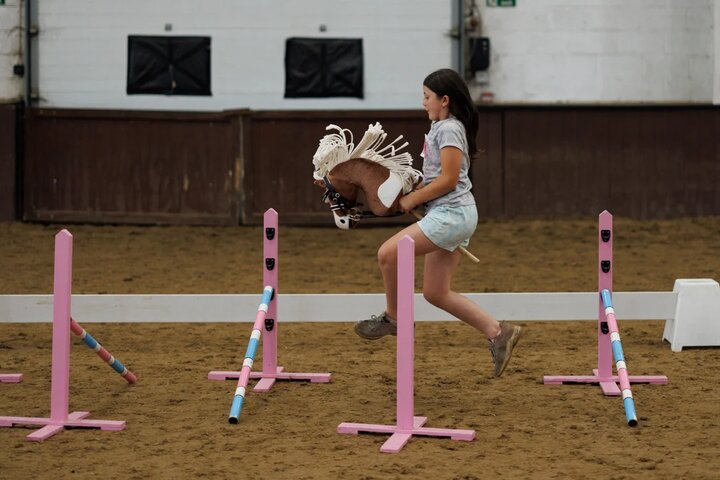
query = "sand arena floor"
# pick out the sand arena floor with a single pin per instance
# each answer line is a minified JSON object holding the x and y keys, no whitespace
{"x":176,"y":419}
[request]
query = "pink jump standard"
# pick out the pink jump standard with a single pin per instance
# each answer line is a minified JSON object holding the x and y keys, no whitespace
{"x":603,"y":375}
{"x":271,"y":371}
{"x":10,"y":377}
{"x":407,"y":423}
{"x":60,"y":382}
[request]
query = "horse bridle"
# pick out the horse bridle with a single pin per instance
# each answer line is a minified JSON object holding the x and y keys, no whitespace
{"x":347,"y":213}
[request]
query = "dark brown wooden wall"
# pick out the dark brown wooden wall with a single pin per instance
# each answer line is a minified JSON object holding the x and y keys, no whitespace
{"x":8,"y":156}
{"x":132,"y":167}
{"x":229,"y":167}
{"x":636,"y":162}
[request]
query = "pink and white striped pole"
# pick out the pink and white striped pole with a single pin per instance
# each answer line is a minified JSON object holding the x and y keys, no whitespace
{"x":407,"y":423}
{"x":60,"y":381}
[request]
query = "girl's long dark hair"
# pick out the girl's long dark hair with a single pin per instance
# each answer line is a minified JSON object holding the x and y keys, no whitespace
{"x":447,"y":82}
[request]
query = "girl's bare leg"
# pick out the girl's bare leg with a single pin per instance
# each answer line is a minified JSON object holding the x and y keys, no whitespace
{"x":440,"y":266}
{"x":387,"y":260}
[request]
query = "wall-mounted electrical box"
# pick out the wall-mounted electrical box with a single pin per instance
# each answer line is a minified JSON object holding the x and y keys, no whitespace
{"x":480,"y":57}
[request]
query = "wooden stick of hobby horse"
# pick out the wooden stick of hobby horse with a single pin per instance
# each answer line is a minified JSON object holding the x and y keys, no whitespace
{"x":463,"y":250}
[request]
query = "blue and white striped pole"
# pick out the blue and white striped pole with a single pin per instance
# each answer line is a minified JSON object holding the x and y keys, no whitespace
{"x":619,"y":358}
{"x":239,"y":397}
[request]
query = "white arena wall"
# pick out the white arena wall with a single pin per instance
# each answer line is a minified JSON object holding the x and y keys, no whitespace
{"x":11,"y":85}
{"x":603,"y":51}
{"x":716,"y":43}
{"x":542,"y":51}
{"x":83,"y":49}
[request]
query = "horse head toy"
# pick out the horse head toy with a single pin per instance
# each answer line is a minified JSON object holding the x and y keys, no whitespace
{"x":379,"y":174}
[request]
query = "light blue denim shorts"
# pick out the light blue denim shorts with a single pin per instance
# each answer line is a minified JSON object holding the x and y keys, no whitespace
{"x":449,"y":227}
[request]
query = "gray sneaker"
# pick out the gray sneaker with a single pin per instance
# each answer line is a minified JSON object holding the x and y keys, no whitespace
{"x":501,"y":348}
{"x":376,"y":327}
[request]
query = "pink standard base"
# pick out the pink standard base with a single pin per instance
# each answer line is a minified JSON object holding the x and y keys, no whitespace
{"x":60,"y":375}
{"x":267,"y":380}
{"x":399,"y":436}
{"x":407,"y":423}
{"x":608,"y":384}
{"x":51,"y":427}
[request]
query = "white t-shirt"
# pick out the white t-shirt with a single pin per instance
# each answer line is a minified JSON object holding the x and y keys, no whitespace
{"x":447,"y":133}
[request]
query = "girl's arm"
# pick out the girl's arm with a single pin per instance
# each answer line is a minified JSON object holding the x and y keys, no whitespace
{"x":450,"y":163}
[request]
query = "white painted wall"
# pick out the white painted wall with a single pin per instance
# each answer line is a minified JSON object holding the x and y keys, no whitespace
{"x":543,"y":51}
{"x":83,"y":49}
{"x":602,"y":51}
{"x":716,"y":43}
{"x":10,"y":51}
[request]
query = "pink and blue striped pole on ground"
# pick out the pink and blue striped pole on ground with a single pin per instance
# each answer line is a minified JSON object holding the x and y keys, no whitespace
{"x":102,"y":352}
{"x":239,"y":397}
{"x":617,"y":351}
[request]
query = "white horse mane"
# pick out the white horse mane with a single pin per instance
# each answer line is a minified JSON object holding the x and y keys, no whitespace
{"x":336,"y":148}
